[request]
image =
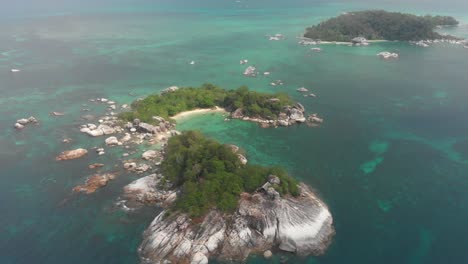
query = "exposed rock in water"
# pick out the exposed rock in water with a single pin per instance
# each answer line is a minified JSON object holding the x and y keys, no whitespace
{"x":251,"y":71}
{"x":301,"y":225}
{"x":267,"y":254}
{"x":96,"y":131}
{"x":72,"y":154}
{"x":150,"y":154}
{"x":388,"y":55}
{"x":94,"y":183}
{"x":314,"y":120}
{"x":96,"y":165}
{"x":21,"y":123}
{"x":112,"y":141}
{"x":57,"y":113}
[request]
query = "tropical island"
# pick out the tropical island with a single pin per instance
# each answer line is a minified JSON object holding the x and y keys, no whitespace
{"x":266,"y":109}
{"x":380,"y":25}
{"x":217,"y":205}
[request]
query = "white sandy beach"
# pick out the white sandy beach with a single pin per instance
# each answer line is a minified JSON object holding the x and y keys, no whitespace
{"x":199,"y":111}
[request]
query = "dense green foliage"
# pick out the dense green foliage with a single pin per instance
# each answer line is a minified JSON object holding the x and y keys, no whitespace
{"x":254,"y":104}
{"x":210,"y":174}
{"x":378,"y":24}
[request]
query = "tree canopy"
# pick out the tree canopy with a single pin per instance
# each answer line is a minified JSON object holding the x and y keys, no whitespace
{"x":210,"y":175}
{"x":379,"y":25}
{"x":253,"y":104}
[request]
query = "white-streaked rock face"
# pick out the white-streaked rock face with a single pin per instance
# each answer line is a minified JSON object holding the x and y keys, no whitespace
{"x":301,"y":225}
{"x":146,"y":191}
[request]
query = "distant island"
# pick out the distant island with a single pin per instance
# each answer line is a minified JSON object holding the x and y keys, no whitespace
{"x":266,"y":109}
{"x":380,"y":25}
{"x":218,"y":205}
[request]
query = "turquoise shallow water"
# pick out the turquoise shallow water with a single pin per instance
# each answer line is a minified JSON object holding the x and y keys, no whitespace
{"x":390,"y":160}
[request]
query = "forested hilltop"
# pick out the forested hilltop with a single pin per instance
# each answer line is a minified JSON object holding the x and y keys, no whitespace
{"x":379,"y":25}
{"x":212,"y":175}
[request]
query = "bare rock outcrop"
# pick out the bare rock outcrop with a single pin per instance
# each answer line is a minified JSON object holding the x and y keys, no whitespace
{"x":72,"y":154}
{"x":147,"y":190}
{"x":94,"y":183}
{"x":301,"y":225}
{"x":21,"y":123}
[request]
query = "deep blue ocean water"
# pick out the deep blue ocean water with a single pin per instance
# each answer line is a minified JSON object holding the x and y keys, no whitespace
{"x":391,"y":159}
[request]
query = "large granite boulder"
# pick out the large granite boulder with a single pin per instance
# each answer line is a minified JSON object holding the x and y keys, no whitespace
{"x":94,"y":183}
{"x":301,"y":225}
{"x":150,"y":154}
{"x":147,"y":190}
{"x":72,"y":154}
{"x":147,"y":128}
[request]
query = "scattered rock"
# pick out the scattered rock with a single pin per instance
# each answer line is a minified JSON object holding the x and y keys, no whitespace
{"x":112,"y":141}
{"x":267,"y":254}
{"x":251,"y":71}
{"x":126,"y":138}
{"x":94,"y":183}
{"x":359,"y":41}
{"x":96,"y":131}
{"x":19,"y":126}
{"x":150,"y":154}
{"x":147,"y":128}
{"x":72,"y":154}
{"x":57,"y":114}
{"x":302,"y":90}
{"x":388,"y":55}
{"x":170,"y":89}
{"x":276,"y":37}
{"x":130,"y":165}
{"x":142,"y":168}
{"x":314,"y":120}
{"x":96,"y":165}
{"x":21,"y":123}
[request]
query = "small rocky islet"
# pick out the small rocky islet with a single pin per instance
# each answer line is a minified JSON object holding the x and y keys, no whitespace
{"x":264,"y":209}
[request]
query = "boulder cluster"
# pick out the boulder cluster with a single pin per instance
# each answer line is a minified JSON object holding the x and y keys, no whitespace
{"x":21,"y":123}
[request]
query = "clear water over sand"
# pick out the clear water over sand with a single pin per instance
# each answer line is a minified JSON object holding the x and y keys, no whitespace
{"x":390,"y":160}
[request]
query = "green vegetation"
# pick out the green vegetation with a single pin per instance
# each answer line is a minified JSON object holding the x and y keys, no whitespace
{"x":210,"y":174}
{"x":254,"y":104}
{"x":378,"y":24}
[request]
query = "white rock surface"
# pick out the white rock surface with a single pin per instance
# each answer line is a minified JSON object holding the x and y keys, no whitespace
{"x":112,"y":141}
{"x":150,"y":154}
{"x":146,"y":190}
{"x":302,"y":225}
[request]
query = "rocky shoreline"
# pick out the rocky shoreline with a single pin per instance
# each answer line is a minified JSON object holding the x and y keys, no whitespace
{"x":263,"y":222}
{"x":290,"y":115}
